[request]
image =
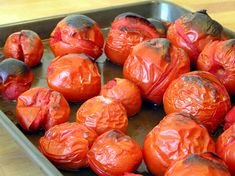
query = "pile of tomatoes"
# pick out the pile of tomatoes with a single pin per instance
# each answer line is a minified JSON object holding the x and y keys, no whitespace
{"x":188,"y":66}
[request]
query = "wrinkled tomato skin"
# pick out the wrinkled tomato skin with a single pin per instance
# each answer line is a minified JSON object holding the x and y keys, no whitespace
{"x":15,"y":78}
{"x":201,"y":94}
{"x":114,"y":153}
{"x":75,"y":76}
{"x":218,"y":58}
{"x":229,"y":118}
{"x":175,"y":137}
{"x":126,"y":92}
{"x":152,"y":65}
{"x":26,"y":46}
{"x":103,"y":114}
{"x":192,"y":32}
{"x":127,"y":30}
{"x":66,"y":145}
{"x":41,"y":107}
{"x":205,"y":164}
{"x":225,"y":148}
{"x":77,"y":34}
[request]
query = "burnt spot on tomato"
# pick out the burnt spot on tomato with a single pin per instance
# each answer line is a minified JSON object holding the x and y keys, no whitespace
{"x":79,"y":21}
{"x":229,"y":44}
{"x":159,"y":26}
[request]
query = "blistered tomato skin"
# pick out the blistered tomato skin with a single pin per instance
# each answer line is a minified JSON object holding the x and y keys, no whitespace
{"x":193,"y":31}
{"x":201,"y":94}
{"x":205,"y":164}
{"x":126,"y":92}
{"x":103,"y":114}
{"x":152,"y":65}
{"x":114,"y":153}
{"x":66,"y":145}
{"x":26,"y":46}
{"x":75,"y":76}
{"x":175,"y":137}
{"x":41,"y":107}
{"x":225,"y":148}
{"x":15,"y":78}
{"x":218,"y":58}
{"x":229,"y":118}
{"x":127,"y":30}
{"x":77,"y":34}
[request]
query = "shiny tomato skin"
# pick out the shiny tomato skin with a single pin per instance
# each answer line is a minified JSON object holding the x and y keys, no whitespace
{"x":15,"y":78}
{"x":152,"y":65}
{"x":75,"y":76}
{"x":225,"y":148}
{"x":229,"y":118}
{"x":114,"y":153}
{"x":127,"y":30}
{"x":41,"y":107}
{"x":175,"y":137}
{"x":77,"y":34}
{"x":201,"y":94}
{"x":102,"y":114}
{"x":24,"y":45}
{"x":205,"y":164}
{"x":66,"y":145}
{"x":218,"y":58}
{"x":126,"y":92}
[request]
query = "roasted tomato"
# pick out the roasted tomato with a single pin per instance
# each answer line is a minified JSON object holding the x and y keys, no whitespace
{"x":114,"y":153}
{"x":159,"y":26}
{"x":127,"y":30}
{"x":15,"y":78}
{"x":66,"y":145}
{"x":77,"y":34}
{"x":41,"y":107}
{"x":200,"y":94}
{"x":205,"y":164}
{"x":175,"y":137}
{"x":26,"y":46}
{"x":193,"y":31}
{"x":218,"y":58}
{"x":225,"y":148}
{"x":103,"y":114}
{"x":153,"y":64}
{"x":126,"y":92}
{"x":75,"y":76}
{"x":229,"y":118}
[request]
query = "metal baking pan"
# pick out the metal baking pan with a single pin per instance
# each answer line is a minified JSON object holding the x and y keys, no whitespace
{"x":140,"y":124}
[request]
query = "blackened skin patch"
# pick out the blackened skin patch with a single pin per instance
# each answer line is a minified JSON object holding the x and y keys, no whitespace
{"x":79,"y":21}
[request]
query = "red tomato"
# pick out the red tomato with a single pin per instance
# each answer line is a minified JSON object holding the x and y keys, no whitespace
{"x":75,"y":76}
{"x":26,"y":46}
{"x":126,"y":92}
{"x":193,"y":31}
{"x":114,"y":153}
{"x":77,"y":34}
{"x":15,"y":78}
{"x":205,"y":164}
{"x":225,"y":148}
{"x":229,"y":118}
{"x":152,"y":65}
{"x":127,"y":30}
{"x":200,"y":94}
{"x":175,"y":137}
{"x":103,"y":114}
{"x":131,"y":174}
{"x":218,"y":58}
{"x":66,"y":145}
{"x":41,"y":107}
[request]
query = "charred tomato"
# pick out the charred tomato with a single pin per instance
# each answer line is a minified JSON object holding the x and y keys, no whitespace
{"x":201,"y":94}
{"x":75,"y":76}
{"x":66,"y":145}
{"x":103,"y":114}
{"x":127,"y":30}
{"x":229,"y":118}
{"x":77,"y":34}
{"x":24,"y":45}
{"x":126,"y":92}
{"x":153,"y":64}
{"x":114,"y":153}
{"x":175,"y":137}
{"x":15,"y":78}
{"x":41,"y":107}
